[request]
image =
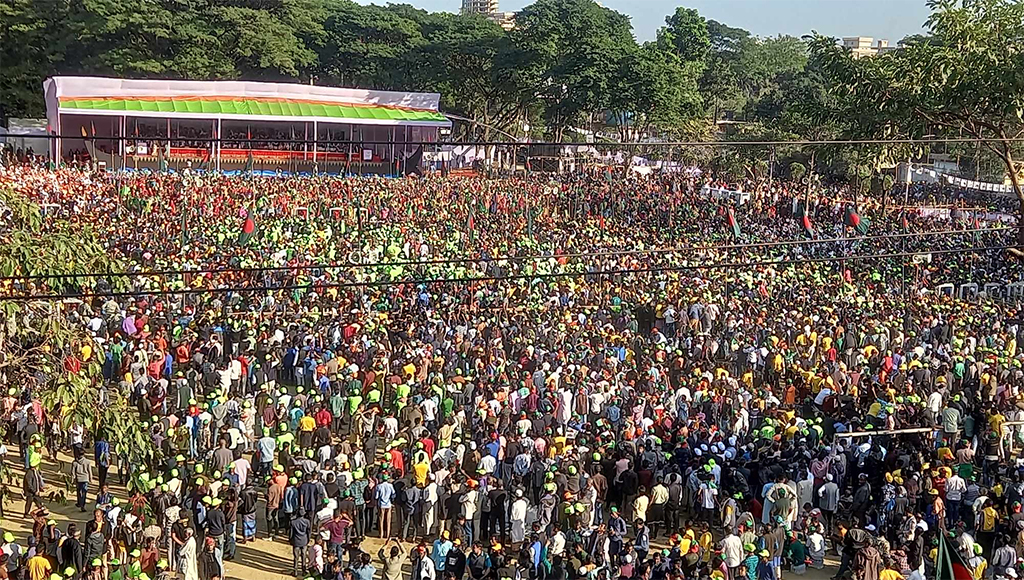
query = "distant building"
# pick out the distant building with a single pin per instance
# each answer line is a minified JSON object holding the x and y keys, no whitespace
{"x":481,"y":7}
{"x":861,"y":46}
{"x":506,"y":20}
{"x":491,"y":10}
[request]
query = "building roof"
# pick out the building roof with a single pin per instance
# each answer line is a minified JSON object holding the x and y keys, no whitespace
{"x":240,"y":100}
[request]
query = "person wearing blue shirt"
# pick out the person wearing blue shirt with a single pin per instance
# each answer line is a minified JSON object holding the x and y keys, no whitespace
{"x":290,"y":501}
{"x":266,"y":445}
{"x":385,"y":495}
{"x":440,"y":550}
{"x":364,"y":571}
{"x":101,"y":454}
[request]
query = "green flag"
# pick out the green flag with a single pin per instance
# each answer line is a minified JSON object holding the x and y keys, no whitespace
{"x":248,"y":229}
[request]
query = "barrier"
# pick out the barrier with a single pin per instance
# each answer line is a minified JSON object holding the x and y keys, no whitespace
{"x":993,"y":290}
{"x":946,"y":289}
{"x":968,"y":291}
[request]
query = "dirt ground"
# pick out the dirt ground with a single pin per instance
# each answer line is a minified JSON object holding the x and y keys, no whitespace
{"x":262,"y":559}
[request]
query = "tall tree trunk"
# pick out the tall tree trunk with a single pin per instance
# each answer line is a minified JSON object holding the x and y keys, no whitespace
{"x":1011,"y":169}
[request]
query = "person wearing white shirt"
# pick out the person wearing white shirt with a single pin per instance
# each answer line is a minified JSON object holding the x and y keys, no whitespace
{"x":556,"y":545}
{"x":732,"y":550}
{"x":518,"y":517}
{"x":955,"y":488}
{"x":430,"y":499}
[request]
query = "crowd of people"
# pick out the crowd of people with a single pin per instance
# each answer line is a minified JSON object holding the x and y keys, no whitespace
{"x":586,"y":377}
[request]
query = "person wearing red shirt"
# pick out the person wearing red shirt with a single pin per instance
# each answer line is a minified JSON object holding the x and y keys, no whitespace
{"x":323,"y":417}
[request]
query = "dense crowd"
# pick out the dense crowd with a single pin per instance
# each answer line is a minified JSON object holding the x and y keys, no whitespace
{"x":590,"y":377}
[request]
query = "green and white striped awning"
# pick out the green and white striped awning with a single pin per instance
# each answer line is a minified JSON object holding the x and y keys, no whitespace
{"x":266,"y":109}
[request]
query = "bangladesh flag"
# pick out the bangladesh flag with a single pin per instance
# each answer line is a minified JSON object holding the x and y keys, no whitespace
{"x":730,"y":218}
{"x":853,"y":220}
{"x":248,"y":229}
{"x":471,"y":223}
{"x":950,"y":564}
{"x":805,"y":222}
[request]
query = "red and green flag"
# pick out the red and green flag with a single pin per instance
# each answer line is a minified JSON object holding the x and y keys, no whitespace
{"x":950,"y":564}
{"x":471,"y":223}
{"x":852,"y":219}
{"x":805,"y":223}
{"x":248,"y":229}
{"x":730,"y":219}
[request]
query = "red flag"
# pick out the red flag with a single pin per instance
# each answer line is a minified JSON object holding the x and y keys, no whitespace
{"x":730,"y":218}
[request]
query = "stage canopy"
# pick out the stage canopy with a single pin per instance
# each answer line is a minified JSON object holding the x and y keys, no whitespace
{"x":239,"y":100}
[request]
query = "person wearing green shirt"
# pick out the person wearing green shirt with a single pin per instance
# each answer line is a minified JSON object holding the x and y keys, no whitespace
{"x":798,"y":554}
{"x":353,"y":403}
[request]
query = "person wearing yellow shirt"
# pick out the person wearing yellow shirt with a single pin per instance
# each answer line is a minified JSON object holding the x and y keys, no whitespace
{"x":890,"y":574}
{"x":989,"y":517}
{"x":826,"y":342}
{"x":995,"y":422}
{"x":791,"y":432}
{"x":705,"y":540}
{"x":420,"y":472}
{"x":977,"y":563}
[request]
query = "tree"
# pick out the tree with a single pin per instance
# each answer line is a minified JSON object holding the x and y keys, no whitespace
{"x":34,"y":41}
{"x":964,"y":79}
{"x":568,"y":52}
{"x":363,"y":45}
{"x":40,"y":347}
{"x":740,"y":68}
{"x":686,"y":33}
{"x":470,"y":62}
{"x":652,"y":88}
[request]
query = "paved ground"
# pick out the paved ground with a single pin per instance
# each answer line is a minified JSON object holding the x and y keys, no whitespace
{"x":262,"y":560}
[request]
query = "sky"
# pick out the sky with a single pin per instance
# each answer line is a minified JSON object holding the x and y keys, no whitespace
{"x":889,"y":19}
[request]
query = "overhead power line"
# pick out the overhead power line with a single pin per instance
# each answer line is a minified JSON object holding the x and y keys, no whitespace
{"x":596,"y":145}
{"x":466,"y":259}
{"x":511,"y":277}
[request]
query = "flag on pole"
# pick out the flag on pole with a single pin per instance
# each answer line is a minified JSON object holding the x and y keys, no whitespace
{"x":805,"y":222}
{"x":950,"y":564}
{"x":471,"y":223}
{"x":248,"y":229}
{"x":730,"y":219}
{"x":853,"y":220}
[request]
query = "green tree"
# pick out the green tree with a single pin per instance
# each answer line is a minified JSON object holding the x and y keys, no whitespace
{"x":567,"y":52}
{"x":964,"y":79}
{"x":686,"y":33}
{"x":365,"y":46}
{"x":34,"y":40}
{"x":39,"y":343}
{"x":652,"y":89}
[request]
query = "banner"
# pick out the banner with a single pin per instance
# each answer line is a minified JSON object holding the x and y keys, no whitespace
{"x":961,"y":182}
{"x":719,"y":193}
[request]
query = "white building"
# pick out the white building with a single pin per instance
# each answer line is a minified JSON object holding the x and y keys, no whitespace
{"x":491,"y":10}
{"x":481,"y":7}
{"x":861,"y":46}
